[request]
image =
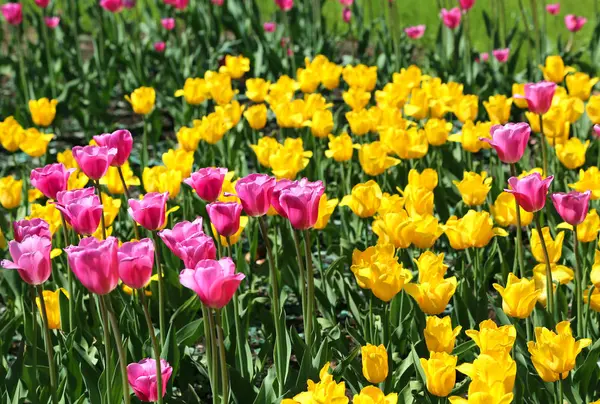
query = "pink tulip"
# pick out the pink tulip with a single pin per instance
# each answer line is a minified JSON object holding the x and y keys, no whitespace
{"x":160,"y":46}
{"x":346,"y":15}
{"x":466,"y":4}
{"x":178,"y":4}
{"x":530,"y":191}
{"x":484,"y":56}
{"x":42,"y":3}
{"x":553,"y":9}
{"x":142,"y":378}
{"x":150,"y":211}
{"x":193,"y":250}
{"x":129,"y":3}
{"x":255,"y":192}
{"x":50,"y":179}
{"x":300,"y":202}
{"x":574,"y":23}
{"x":136,"y":259}
{"x":415,"y":32}
{"x":24,"y":228}
{"x":168,"y":23}
{"x":52,"y":22}
{"x":120,"y":140}
{"x":573,"y":206}
{"x":114,"y":6}
{"x":31,"y":258}
{"x":66,"y":197}
{"x":180,"y":232}
{"x":501,"y":55}
{"x":94,"y":160}
{"x":95,"y":263}
{"x":346,"y":3}
{"x":451,"y":18}
{"x":215,"y":282}
{"x":284,"y":5}
{"x":207,"y":182}
{"x":277,"y":189}
{"x":217,"y":2}
{"x":83,"y":214}
{"x":225,"y":216}
{"x":269,"y":26}
{"x":12,"y":12}
{"x":509,"y":141}
{"x":539,"y":96}
{"x":597,"y":130}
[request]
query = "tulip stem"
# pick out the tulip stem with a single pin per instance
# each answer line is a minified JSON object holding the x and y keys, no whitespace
{"x":121,"y":352}
{"x":587,"y":312}
{"x":561,"y":399}
{"x":34,"y":342}
{"x":214,"y":368}
{"x":48,"y":57}
{"x":161,"y":287}
{"x":102,"y":221}
{"x":49,"y":347}
{"x":543,"y":146}
{"x":126,"y":190}
{"x":513,"y":169}
{"x":155,"y":346}
{"x":69,"y":272}
{"x":240,"y":338}
{"x":107,"y":349}
{"x":549,"y":282}
{"x":301,"y":269}
{"x":310,"y":286}
{"x":224,"y":372}
{"x":578,"y":285}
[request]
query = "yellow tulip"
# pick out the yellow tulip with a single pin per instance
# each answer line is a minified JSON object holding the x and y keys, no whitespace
{"x":553,"y":354}
{"x":142,"y":100}
{"x":374,"y":363}
{"x":35,"y":143}
{"x":360,"y":122}
{"x":440,"y":371}
{"x":78,"y":180}
{"x":406,"y":144}
{"x":10,"y":192}
{"x":113,"y":182}
{"x":289,"y":160}
{"x":437,"y":131}
{"x":194,"y":91}
{"x":587,"y":231}
{"x":52,"y":303}
{"x":230,"y":113}
{"x":474,"y":187}
{"x":340,"y":147}
{"x":394,"y":228}
{"x":179,"y":160}
{"x":418,"y":106}
{"x":589,"y":180}
{"x":314,"y":103}
{"x":212,"y":127}
{"x":219,"y":86}
{"x":374,"y":159}
{"x":188,"y":138}
{"x":290,"y":114}
{"x":431,"y":267}
{"x":49,"y":213}
{"x":162,"y":179}
{"x":360,"y":76}
{"x":281,"y":91}
{"x":432,"y":298}
{"x":33,"y":195}
{"x":556,"y":125}
{"x":495,"y":396}
{"x":554,"y":246}
{"x":571,"y":107}
{"x":470,"y":135}
{"x":466,"y":108}
{"x":326,"y":208}
{"x":393,"y":96}
{"x":555,"y":69}
{"x":325,"y":391}
{"x":595,"y":272}
{"x":43,"y":111}
{"x":572,"y":153}
{"x":498,"y":108}
{"x":475,"y":229}
{"x":410,"y":76}
{"x":504,"y":211}
{"x":580,"y":85}
{"x":427,"y":179}
{"x":330,"y":75}
{"x":426,"y":231}
{"x":110,"y":208}
{"x":257,"y":89}
{"x":488,"y":371}
{"x":592,"y":298}
{"x":235,"y":66}
{"x":560,"y":273}
{"x":11,"y":134}
{"x":321,"y":123}
{"x":308,"y":79}
{"x":373,"y":395}
{"x":256,"y":116}
{"x":264,"y":149}
{"x":390,"y":203}
{"x":2,"y":240}
{"x":593,"y":109}
{"x":364,"y":200}
{"x":493,"y":340}
{"x":439,"y":335}
{"x":518,"y":297}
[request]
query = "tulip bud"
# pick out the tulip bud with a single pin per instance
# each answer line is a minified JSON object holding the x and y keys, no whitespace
{"x":374,"y":363}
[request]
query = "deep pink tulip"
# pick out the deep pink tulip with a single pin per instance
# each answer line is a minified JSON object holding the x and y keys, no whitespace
{"x":451,"y":18}
{"x":12,"y":12}
{"x":539,"y":96}
{"x":114,"y":6}
{"x":574,"y":23}
{"x":597,"y":130}
{"x":509,"y":141}
{"x":466,"y":4}
{"x":346,"y":3}
{"x":23,"y":228}
{"x":530,"y":191}
{"x":83,"y":214}
{"x":180,"y":232}
{"x":284,"y":5}
{"x":217,"y":2}
{"x":178,"y":4}
{"x":269,"y":26}
{"x":553,"y":9}
{"x":160,"y":46}
{"x":225,"y":216}
{"x":193,"y":250}
{"x":207,"y":182}
{"x":120,"y":140}
{"x":66,"y":197}
{"x":95,"y":263}
{"x":50,"y":179}
{"x":168,"y":23}
{"x":501,"y":55}
{"x":31,"y":258}
{"x":415,"y":32}
{"x":255,"y":192}
{"x":52,"y":22}
{"x":150,"y":211}
{"x":42,"y":3}
{"x":572,"y":206}
{"x":484,"y":57}
{"x":215,"y":282}
{"x":346,"y":15}
{"x":277,"y":189}
{"x":300,"y":202}
{"x":136,"y":259}
{"x":94,"y":160}
{"x":142,"y":378}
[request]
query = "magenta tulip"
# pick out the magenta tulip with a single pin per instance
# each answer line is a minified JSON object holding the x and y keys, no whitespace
{"x":501,"y":55}
{"x":255,"y":192}
{"x":553,"y":9}
{"x":277,"y":189}
{"x":509,"y":141}
{"x":149,"y":212}
{"x":207,"y":182}
{"x":346,"y":3}
{"x":225,"y":216}
{"x":42,"y":3}
{"x":66,"y":197}
{"x":574,"y":23}
{"x":168,"y":23}
{"x":215,"y":282}
{"x":193,"y":250}
{"x":572,"y":206}
{"x":300,"y":202}
{"x":466,"y":4}
{"x":34,"y":227}
{"x":178,"y":4}
{"x":31,"y":258}
{"x":160,"y":46}
{"x":284,"y":5}
{"x":180,"y":232}
{"x":83,"y":214}
{"x":136,"y":259}
{"x":269,"y":26}
{"x":114,"y":6}
{"x":530,"y":191}
{"x":95,"y":263}
{"x":484,"y":57}
{"x":52,"y":22}
{"x":451,"y":18}
{"x":142,"y":378}
{"x":217,"y":2}
{"x":539,"y":96}
{"x":346,"y":15}
{"x":94,"y":160}
{"x":12,"y":12}
{"x":51,"y":179}
{"x":415,"y":32}
{"x":597,"y":130}
{"x":120,"y":140}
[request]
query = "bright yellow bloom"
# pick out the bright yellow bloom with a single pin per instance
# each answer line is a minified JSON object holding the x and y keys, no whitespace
{"x":469,"y":137}
{"x":78,"y":180}
{"x":553,"y":354}
{"x":2,"y":240}
{"x":33,"y":195}
{"x":406,"y":144}
{"x":11,"y":191}
{"x":212,"y":127}
{"x":475,"y":229}
{"x":593,"y":109}
{"x":504,"y":211}
{"x":162,"y":179}
{"x":518,"y":297}
{"x":113,"y":182}
{"x":493,"y":340}
{"x":364,"y":200}
{"x":256,"y":116}
{"x":308,"y":79}
{"x":589,"y":180}
{"x":360,"y":122}
{"x":439,"y":335}
{"x":47,"y":212}
{"x":394,"y":228}
{"x":231,"y":113}
{"x":431,"y":267}
{"x":281,"y":91}
{"x":257,"y":89}
{"x":110,"y":207}
{"x":474,"y":187}
{"x":66,"y":159}
{"x":330,"y":75}
{"x":560,"y":273}
{"x":488,"y":371}
{"x":142,"y":100}
{"x":580,"y":85}
{"x":264,"y":149}
{"x":374,"y":158}
{"x":390,"y":203}
{"x":374,"y":363}
{"x":340,"y":147}
{"x":314,"y":103}
{"x":290,"y":159}
{"x":595,"y":299}
{"x":572,"y":107}
{"x":321,"y":123}
{"x":325,"y":391}
{"x":556,"y":125}
{"x":432,"y":293}
{"x":290,"y":114}
{"x":554,"y":246}
{"x":235,"y":66}
{"x":52,"y":303}
{"x":519,"y":89}
{"x":426,"y":230}
{"x":378,"y":269}
{"x":440,"y":371}
{"x":373,"y":395}
{"x":572,"y":153}
{"x":555,"y":69}
{"x":393,"y":96}
{"x":418,"y":200}
{"x":11,"y":134}
{"x":540,"y":284}
{"x":595,"y":272}
{"x":437,"y":131}
{"x":427,"y":179}
{"x":418,"y":106}
{"x":43,"y":111}
{"x":466,"y":108}
{"x":360,"y":76}
{"x":498,"y":108}
{"x":587,"y":231}
{"x":179,"y":160}
{"x":411,"y":77}
{"x":35,"y":143}
{"x":194,"y":91}
{"x":495,"y":396}
{"x":326,"y":208}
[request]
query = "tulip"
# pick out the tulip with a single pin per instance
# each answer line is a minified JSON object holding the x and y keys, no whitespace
{"x":178,"y":4}
{"x":195,"y":92}
{"x":94,"y":160}
{"x":43,"y":111}
{"x":52,"y":303}
{"x":256,"y":116}
{"x":553,"y":9}
{"x":300,"y":203}
{"x":225,"y":217}
{"x":269,"y":26}
{"x":150,"y":211}
{"x":466,"y":108}
{"x":179,"y":160}
{"x":67,"y":197}
{"x":493,"y":340}
{"x":374,"y":363}
{"x":162,"y":179}
{"x":597,"y":130}
{"x":572,"y":207}
{"x":42,"y":3}
{"x":474,"y":187}
{"x":588,"y":180}
{"x":51,"y":179}
{"x":168,"y":23}
{"x":142,"y":378}
{"x":440,"y":371}
{"x":466,"y":4}
{"x":255,"y":192}
{"x":364,"y":200}
{"x":374,"y":395}
{"x":95,"y":263}
{"x":340,"y":147}
{"x":142,"y":100}
{"x":501,"y":55}
{"x":136,"y":259}
{"x":509,"y":141}
{"x":193,"y":250}
{"x":415,"y":32}
{"x":114,"y":6}
{"x":181,"y":231}
{"x":504,"y":211}
{"x":235,"y":67}
{"x":346,"y":15}
{"x":120,"y":140}
{"x":12,"y":12}
{"x":83,"y":214}
{"x":346,"y":3}
{"x":574,"y":23}
{"x":488,"y":372}
{"x":432,"y":297}
{"x":326,"y":208}
{"x":451,"y":18}
{"x":52,"y":22}
{"x":25,"y":228}
{"x":284,"y":5}
{"x":207,"y":182}
{"x":518,"y":297}
{"x":160,"y":46}
{"x":439,"y":335}
{"x":530,"y":191}
{"x":539,"y":96}
{"x":35,"y":143}
{"x":31,"y":259}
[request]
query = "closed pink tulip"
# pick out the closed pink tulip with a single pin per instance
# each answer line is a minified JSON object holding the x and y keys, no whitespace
{"x":160,"y":46}
{"x":346,"y":15}
{"x":178,"y":4}
{"x":180,"y":232}
{"x":83,"y":214}
{"x":553,"y":9}
{"x":142,"y":378}
{"x":12,"y":12}
{"x":94,"y":160}
{"x":574,"y":23}
{"x":415,"y":32}
{"x":269,"y":26}
{"x":217,"y":2}
{"x":52,"y":22}
{"x":509,"y":141}
{"x":501,"y":55}
{"x":225,"y":216}
{"x":34,"y":227}
{"x":136,"y":259}
{"x":466,"y":4}
{"x":168,"y":23}
{"x":597,"y":130}
{"x":150,"y":211}
{"x":346,"y":3}
{"x":284,"y":5}
{"x":207,"y":182}
{"x":193,"y":250}
{"x":484,"y":56}
{"x":50,"y":179}
{"x":539,"y":96}
{"x":300,"y":202}
{"x":215,"y":282}
{"x":255,"y":192}
{"x":277,"y":189}
{"x":120,"y":140}
{"x":31,"y":258}
{"x":95,"y":263}
{"x":42,"y":3}
{"x":530,"y":191}
{"x":66,"y":197}
{"x":114,"y":6}
{"x":451,"y":18}
{"x":572,"y":206}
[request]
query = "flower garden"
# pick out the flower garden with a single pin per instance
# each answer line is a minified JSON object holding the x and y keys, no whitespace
{"x":299,"y":202}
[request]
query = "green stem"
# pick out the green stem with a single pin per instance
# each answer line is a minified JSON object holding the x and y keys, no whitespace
{"x":301,"y":269}
{"x":107,"y":348}
{"x":161,"y":290}
{"x":561,"y":399}
{"x":549,"y":282}
{"x":155,"y":346}
{"x":34,"y":342}
{"x":126,"y":190}
{"x":120,"y":349}
{"x":144,"y":156}
{"x":239,"y":331}
{"x":536,"y":27}
{"x":513,"y":170}
{"x":224,"y":372}
{"x":69,"y":273}
{"x":49,"y":347}
{"x":214,"y":368}
{"x":102,"y":221}
{"x":310,"y":287}
{"x":578,"y":285}
{"x":48,"y":57}
{"x":543,"y":146}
